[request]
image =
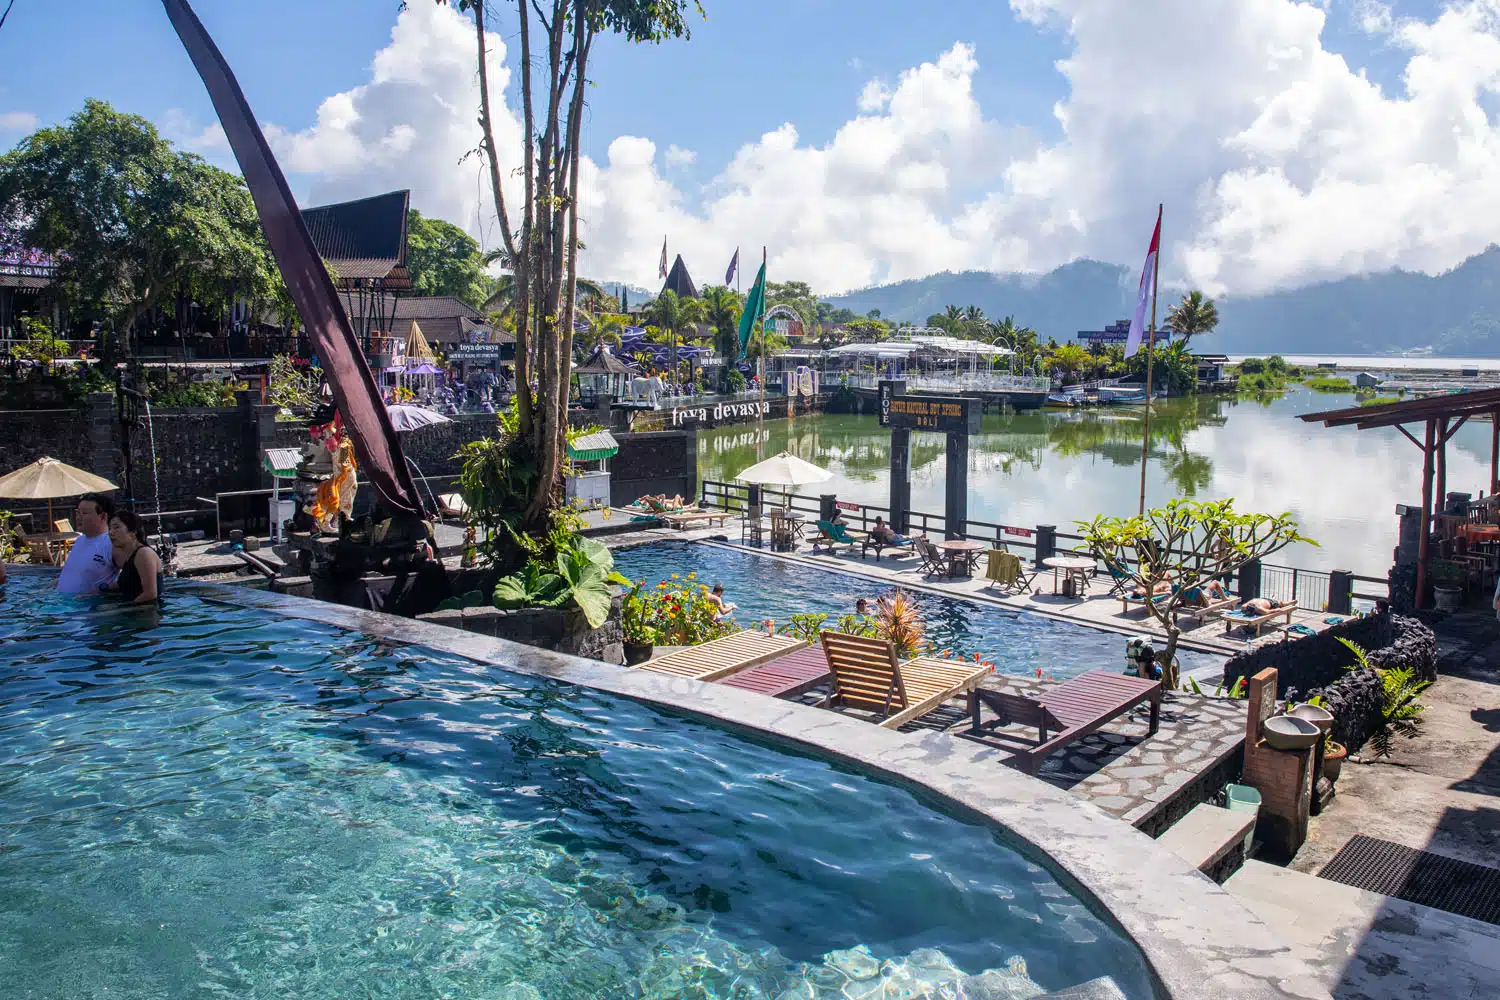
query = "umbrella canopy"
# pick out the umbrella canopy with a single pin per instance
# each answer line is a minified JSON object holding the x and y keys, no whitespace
{"x":785,"y":469}
{"x":405,"y":417}
{"x":47,"y":478}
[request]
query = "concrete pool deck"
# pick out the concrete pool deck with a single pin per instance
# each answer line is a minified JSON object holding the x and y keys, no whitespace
{"x":1198,"y":939}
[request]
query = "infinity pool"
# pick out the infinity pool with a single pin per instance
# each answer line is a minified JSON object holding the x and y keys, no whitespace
{"x":1018,"y":643}
{"x":213,"y":801}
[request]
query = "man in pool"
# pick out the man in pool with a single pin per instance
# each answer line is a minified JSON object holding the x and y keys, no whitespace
{"x":90,"y":564}
{"x":861,"y":607}
{"x":717,"y":598}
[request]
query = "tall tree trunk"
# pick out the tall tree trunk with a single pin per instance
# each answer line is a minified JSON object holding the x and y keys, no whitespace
{"x":518,"y":261}
{"x":524,"y":408}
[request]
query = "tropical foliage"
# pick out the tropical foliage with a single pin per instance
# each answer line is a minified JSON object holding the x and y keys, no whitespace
{"x":130,"y":221}
{"x":291,"y":385}
{"x":1400,"y":714}
{"x":1193,"y":315}
{"x":555,"y":40}
{"x":579,"y":575}
{"x":445,"y":260}
{"x":1185,"y":544}
{"x":675,"y":317}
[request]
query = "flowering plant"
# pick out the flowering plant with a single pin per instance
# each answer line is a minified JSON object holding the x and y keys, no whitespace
{"x":676,"y":612}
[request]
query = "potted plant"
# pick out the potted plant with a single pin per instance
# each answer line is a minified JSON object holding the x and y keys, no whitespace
{"x":636,"y":617}
{"x":1333,"y":758}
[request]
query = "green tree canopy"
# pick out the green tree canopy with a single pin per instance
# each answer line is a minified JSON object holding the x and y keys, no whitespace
{"x":445,"y":260}
{"x":721,"y":310}
{"x":1193,"y":315}
{"x":130,"y":220}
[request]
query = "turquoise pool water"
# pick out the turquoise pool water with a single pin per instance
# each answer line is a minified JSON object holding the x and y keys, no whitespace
{"x":210,"y":801}
{"x":773,"y":588}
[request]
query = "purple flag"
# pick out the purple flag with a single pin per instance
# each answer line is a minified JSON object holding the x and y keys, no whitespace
{"x":734,"y":266}
{"x":365,"y":416}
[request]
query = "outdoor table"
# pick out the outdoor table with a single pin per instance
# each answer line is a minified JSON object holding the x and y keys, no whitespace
{"x":797,"y":522}
{"x":1077,"y":567}
{"x":962,"y":553}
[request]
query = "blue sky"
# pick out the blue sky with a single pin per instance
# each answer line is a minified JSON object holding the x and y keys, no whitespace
{"x":754,"y":65}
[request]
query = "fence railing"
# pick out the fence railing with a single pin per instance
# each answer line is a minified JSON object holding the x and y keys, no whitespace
{"x":1313,"y":590}
{"x":972,"y":382}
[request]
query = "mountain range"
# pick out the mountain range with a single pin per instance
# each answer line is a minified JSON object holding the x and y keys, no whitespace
{"x":1455,"y":313}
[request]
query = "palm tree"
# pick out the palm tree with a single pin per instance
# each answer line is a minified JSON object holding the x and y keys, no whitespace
{"x":602,"y":329}
{"x":1193,"y":315}
{"x":721,"y":310}
{"x":674,"y":315}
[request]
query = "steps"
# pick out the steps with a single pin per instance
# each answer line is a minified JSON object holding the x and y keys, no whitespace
{"x":1207,"y":835}
{"x":1364,"y":946}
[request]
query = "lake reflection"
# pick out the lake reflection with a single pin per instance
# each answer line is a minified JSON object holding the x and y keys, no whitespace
{"x":1058,"y":466}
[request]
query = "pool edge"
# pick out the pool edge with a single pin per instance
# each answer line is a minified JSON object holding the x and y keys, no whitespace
{"x":1199,"y":941}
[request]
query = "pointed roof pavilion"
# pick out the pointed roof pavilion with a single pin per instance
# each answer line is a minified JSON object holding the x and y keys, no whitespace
{"x":679,"y":281}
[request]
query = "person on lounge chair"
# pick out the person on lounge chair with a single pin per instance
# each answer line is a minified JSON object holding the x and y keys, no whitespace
{"x":1257,"y":606}
{"x":1215,"y":590}
{"x":1161,"y":587}
{"x":716,"y":598}
{"x":882,"y":533}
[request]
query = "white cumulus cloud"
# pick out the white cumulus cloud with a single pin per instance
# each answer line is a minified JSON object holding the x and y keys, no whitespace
{"x":1277,"y":160}
{"x":17,"y":121}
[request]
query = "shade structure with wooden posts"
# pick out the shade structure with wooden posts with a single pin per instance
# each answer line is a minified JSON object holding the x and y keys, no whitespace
{"x":49,"y":479}
{"x":1442,"y":417}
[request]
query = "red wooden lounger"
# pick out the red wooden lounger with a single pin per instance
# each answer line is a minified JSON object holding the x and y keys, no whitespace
{"x":1070,"y":711}
{"x":786,"y":676}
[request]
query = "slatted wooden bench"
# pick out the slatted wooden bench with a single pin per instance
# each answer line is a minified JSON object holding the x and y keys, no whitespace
{"x":1069,"y":711}
{"x":722,"y":657}
{"x":786,"y":676}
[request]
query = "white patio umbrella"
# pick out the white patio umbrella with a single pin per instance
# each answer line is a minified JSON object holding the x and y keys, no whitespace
{"x":405,"y":417}
{"x":784,"y":469}
{"x":47,"y":479}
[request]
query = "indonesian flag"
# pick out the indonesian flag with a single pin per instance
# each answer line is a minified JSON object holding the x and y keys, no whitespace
{"x":1148,"y":279}
{"x":662,"y":267}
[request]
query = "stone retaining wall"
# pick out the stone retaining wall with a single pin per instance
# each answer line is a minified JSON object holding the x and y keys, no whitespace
{"x":1311,"y":661}
{"x":545,"y":628}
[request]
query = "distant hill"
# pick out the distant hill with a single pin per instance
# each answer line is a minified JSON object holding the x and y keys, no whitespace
{"x":1456,"y":312}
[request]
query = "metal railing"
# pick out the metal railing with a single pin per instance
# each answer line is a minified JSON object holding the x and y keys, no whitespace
{"x":967,"y":381}
{"x":1311,"y":589}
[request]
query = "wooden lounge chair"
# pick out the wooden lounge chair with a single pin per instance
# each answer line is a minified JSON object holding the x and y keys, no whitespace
{"x":1069,"y":711}
{"x":1127,"y":602}
{"x":882,"y":542}
{"x":867,"y":675}
{"x":693,"y":517}
{"x":830,"y":535}
{"x":722,"y":657}
{"x":786,"y":676}
{"x":1201,"y":614}
{"x":1231,"y":619}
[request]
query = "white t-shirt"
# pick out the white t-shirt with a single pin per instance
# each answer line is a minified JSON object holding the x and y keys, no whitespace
{"x":89,"y":566}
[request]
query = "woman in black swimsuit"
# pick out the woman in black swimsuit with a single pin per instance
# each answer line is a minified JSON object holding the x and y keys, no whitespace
{"x":140,"y":567}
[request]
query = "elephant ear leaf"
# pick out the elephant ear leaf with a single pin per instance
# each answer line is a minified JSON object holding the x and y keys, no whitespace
{"x":593,"y":597}
{"x":510,"y":592}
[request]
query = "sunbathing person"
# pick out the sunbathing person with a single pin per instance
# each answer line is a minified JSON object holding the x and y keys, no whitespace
{"x":1215,"y":590}
{"x":1161,"y":587}
{"x":883,"y":533}
{"x":1258,"y":606}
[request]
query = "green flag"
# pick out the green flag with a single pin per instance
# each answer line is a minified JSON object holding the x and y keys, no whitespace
{"x":755,"y":308}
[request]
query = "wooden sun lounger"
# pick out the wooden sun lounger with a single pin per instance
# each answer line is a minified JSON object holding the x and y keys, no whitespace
{"x":1126,"y":601}
{"x":722,"y":657}
{"x":786,"y":676}
{"x":867,"y":675}
{"x":1211,"y":610}
{"x":688,"y":518}
{"x":1232,"y":620}
{"x":1070,"y":711}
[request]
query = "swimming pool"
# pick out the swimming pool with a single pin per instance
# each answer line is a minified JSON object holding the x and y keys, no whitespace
{"x":216,"y":800}
{"x":762,"y":587}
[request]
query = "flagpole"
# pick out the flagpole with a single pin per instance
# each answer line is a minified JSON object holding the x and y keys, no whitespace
{"x":1150,"y":356}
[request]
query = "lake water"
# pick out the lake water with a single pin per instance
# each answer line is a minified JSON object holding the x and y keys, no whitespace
{"x":1059,"y":466}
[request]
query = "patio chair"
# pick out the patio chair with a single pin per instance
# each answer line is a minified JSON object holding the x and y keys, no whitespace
{"x":1008,"y":570}
{"x":722,"y":657}
{"x":782,"y":539}
{"x":1070,"y":711}
{"x":39,"y":552}
{"x":1253,"y":621}
{"x":1121,"y":579}
{"x":63,"y":526}
{"x":867,"y":675}
{"x":934,"y":562}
